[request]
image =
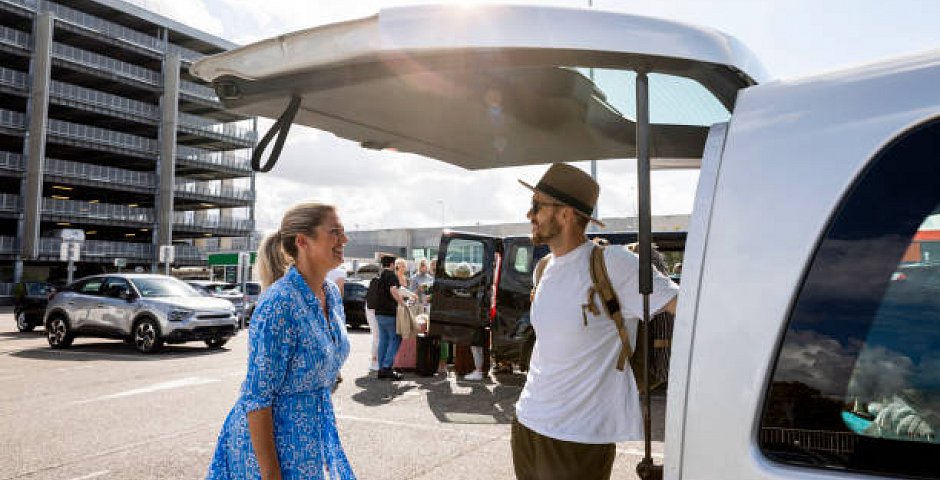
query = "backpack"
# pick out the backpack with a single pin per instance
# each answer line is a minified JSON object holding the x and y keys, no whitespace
{"x":372,"y":294}
{"x":602,"y":288}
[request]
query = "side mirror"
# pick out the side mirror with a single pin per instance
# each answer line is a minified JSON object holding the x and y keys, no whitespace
{"x":126,"y":295}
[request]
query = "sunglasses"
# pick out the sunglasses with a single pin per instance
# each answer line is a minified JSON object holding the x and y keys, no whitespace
{"x":537,"y":205}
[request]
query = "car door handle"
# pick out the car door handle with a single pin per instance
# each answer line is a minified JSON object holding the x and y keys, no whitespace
{"x":100,"y":305}
{"x":462,"y":293}
{"x":70,"y":303}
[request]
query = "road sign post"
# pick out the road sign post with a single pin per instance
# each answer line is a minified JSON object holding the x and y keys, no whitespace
{"x":70,"y":252}
{"x":167,"y":255}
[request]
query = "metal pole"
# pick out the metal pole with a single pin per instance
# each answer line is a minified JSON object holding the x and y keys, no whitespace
{"x":645,"y":469}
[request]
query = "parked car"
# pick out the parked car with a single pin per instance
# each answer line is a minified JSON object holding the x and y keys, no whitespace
{"x":228,"y":291}
{"x":146,"y":310}
{"x":252,"y":291}
{"x":354,"y":300}
{"x":794,"y":354}
{"x":29,"y":304}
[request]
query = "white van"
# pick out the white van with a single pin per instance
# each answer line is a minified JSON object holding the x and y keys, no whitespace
{"x":801,"y":348}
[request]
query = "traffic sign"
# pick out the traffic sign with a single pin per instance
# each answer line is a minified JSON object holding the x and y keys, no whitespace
{"x":70,"y":251}
{"x":167,"y":253}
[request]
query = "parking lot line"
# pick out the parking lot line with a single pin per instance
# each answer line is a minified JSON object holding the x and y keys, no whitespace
{"x":92,"y":475}
{"x":180,"y":383}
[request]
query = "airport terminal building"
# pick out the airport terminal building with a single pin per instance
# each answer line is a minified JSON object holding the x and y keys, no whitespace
{"x":103,"y":131}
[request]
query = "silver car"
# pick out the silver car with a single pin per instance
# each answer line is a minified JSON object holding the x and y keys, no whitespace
{"x":144,"y":309}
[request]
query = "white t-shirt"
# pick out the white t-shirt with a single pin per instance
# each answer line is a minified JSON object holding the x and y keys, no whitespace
{"x":574,"y":391}
{"x":336,"y":274}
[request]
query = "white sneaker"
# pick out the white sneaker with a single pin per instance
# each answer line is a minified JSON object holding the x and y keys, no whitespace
{"x":475,"y":375}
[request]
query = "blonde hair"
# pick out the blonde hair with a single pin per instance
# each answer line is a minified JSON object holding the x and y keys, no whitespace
{"x":278,"y":250}
{"x":401,"y":262}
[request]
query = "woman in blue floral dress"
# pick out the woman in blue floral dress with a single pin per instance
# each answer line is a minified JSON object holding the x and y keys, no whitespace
{"x":283,"y":425}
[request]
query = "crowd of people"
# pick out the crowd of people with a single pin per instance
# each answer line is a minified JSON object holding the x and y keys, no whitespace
{"x":577,"y":402}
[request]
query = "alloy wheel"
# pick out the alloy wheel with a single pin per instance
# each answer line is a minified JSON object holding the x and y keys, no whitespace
{"x":145,"y":336}
{"x":58,"y":332}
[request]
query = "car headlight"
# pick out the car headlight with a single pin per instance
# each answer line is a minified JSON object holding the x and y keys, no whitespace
{"x":179,"y":315}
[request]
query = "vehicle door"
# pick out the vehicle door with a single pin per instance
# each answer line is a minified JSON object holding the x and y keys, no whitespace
{"x":463,"y":285}
{"x":115,"y":307}
{"x":511,"y":328}
{"x":81,"y":299}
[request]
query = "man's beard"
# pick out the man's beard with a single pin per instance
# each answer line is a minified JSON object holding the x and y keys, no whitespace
{"x":546,"y":231}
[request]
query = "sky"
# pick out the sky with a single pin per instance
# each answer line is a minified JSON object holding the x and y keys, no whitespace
{"x":374,"y":189}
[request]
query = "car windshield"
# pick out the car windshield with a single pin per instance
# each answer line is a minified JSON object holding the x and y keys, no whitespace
{"x":163,"y":287}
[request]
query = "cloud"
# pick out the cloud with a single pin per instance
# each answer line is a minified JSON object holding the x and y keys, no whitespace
{"x":193,"y":13}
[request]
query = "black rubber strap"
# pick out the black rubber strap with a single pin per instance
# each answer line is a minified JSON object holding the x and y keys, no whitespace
{"x":280,"y":128}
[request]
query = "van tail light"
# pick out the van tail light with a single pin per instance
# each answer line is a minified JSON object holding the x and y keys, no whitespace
{"x":496,"y":270}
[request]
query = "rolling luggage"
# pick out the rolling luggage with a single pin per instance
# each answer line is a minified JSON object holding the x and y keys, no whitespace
{"x":428,"y":349}
{"x":405,"y":358}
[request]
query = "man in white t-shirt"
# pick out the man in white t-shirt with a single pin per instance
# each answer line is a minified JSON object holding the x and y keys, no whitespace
{"x":576,"y":404}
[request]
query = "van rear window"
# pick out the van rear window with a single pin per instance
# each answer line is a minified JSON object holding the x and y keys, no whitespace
{"x":856,"y":385}
{"x":464,"y":258}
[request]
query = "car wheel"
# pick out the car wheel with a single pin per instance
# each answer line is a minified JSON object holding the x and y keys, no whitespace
{"x":147,"y":336}
{"x":22,"y":323}
{"x":216,"y":342}
{"x":58,"y":332}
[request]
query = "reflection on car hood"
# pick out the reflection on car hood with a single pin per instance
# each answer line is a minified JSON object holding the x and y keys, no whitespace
{"x":193,"y":303}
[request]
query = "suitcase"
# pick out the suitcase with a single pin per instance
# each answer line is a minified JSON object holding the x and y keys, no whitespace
{"x":405,"y":358}
{"x":428,"y":350}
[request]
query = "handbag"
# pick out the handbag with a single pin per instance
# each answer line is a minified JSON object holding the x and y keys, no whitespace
{"x":406,"y":320}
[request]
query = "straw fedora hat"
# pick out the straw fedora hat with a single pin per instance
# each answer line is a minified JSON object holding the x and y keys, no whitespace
{"x":570,"y":186}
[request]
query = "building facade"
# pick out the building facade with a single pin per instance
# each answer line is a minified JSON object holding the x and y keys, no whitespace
{"x":103,"y":130}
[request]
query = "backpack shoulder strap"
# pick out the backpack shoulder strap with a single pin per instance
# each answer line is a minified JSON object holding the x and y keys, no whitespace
{"x":539,"y":270}
{"x":610,"y":302}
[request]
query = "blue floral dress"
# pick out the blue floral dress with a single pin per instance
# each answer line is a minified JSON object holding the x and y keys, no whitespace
{"x":294,"y":356}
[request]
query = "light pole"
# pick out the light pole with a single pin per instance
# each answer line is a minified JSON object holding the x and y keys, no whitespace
{"x":593,"y":161}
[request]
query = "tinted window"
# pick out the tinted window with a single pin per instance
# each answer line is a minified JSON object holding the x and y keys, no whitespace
{"x":38,"y":289}
{"x":521,"y":258}
{"x":163,"y":287}
{"x":464,"y":258}
{"x":114,"y":286}
{"x":354,"y":291}
{"x":90,"y":287}
{"x":857,"y":381}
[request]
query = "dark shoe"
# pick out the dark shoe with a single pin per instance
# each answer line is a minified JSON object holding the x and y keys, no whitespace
{"x":389,"y":374}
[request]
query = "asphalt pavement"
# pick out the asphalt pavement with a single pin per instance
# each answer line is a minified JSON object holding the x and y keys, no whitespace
{"x":100,"y":410}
